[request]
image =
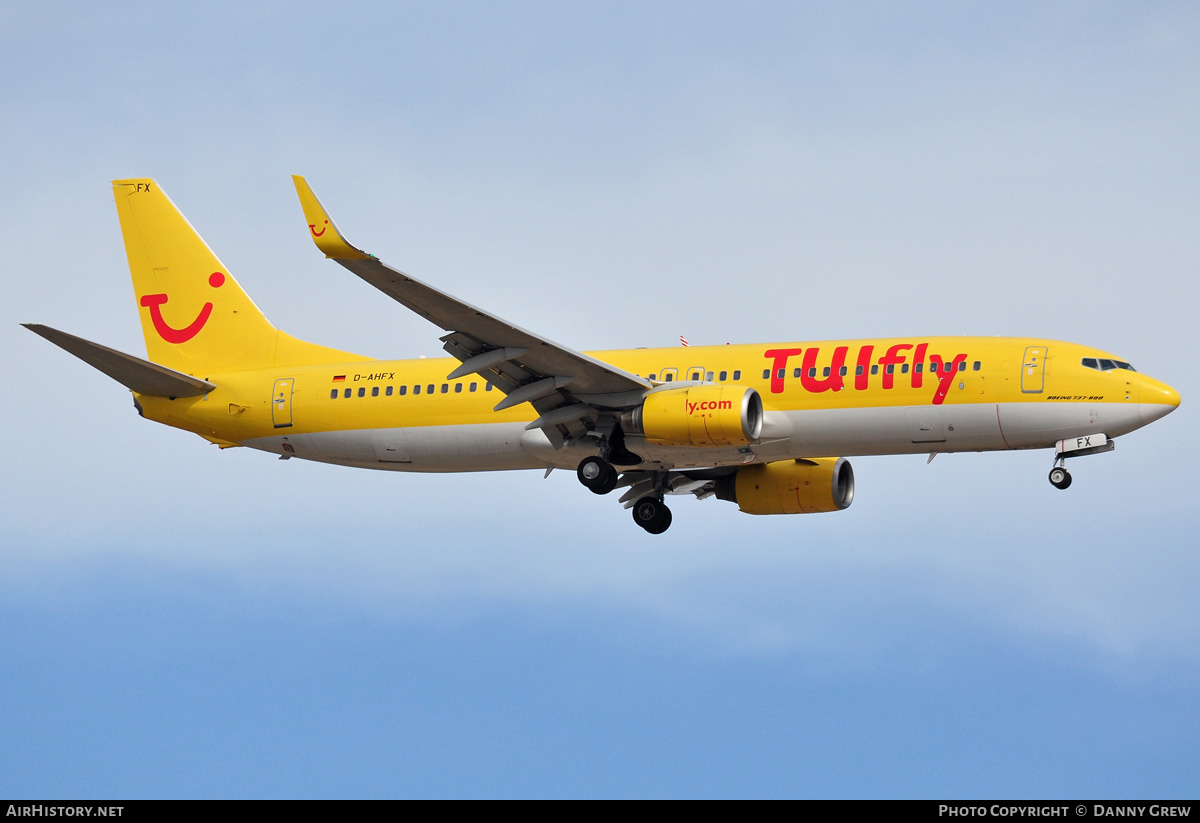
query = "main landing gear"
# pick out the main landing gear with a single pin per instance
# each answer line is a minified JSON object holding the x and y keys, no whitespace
{"x":1060,"y":478}
{"x":652,"y":515}
{"x":649,"y":512}
{"x":597,"y":474}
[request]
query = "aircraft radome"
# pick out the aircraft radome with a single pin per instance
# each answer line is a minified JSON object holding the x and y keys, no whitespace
{"x":766,"y":426}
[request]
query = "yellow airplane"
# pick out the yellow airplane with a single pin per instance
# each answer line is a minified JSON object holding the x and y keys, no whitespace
{"x":752,"y":424}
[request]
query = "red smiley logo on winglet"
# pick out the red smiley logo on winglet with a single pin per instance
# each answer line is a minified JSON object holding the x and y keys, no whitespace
{"x":313,"y":228}
{"x":172,"y":335}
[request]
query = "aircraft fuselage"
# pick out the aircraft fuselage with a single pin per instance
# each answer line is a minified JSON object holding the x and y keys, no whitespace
{"x":863,"y":397}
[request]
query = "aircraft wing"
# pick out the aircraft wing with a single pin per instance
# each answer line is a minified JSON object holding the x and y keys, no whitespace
{"x":564,"y":385}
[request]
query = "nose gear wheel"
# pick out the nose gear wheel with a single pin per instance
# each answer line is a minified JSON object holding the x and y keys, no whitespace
{"x":1060,"y":478}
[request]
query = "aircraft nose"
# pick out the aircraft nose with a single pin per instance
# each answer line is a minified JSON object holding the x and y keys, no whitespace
{"x":1158,"y":401}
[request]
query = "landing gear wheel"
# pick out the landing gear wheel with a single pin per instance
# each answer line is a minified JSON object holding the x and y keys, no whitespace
{"x":597,"y":474}
{"x":663,"y":524}
{"x":652,"y":515}
{"x":1060,"y":478}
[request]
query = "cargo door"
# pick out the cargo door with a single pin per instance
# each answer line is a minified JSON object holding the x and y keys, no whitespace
{"x":391,"y":446}
{"x":925,"y":424}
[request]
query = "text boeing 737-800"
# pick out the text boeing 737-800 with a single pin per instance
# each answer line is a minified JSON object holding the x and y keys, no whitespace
{"x":753,"y":424}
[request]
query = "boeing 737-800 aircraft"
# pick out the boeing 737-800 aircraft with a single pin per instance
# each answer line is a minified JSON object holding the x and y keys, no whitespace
{"x":765,"y":426}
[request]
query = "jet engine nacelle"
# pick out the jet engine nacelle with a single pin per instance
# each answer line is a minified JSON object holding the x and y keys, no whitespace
{"x":703,"y":415}
{"x":821,"y":484}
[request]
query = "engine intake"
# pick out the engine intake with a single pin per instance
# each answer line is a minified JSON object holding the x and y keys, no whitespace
{"x":706,"y":415}
{"x":820,"y":484}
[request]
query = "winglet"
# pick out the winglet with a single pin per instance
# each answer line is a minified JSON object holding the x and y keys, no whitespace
{"x":324,"y":233}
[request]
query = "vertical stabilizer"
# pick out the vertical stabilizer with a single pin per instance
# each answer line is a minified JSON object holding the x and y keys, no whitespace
{"x":195,"y":317}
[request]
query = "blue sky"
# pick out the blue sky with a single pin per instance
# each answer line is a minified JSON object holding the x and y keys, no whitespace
{"x":179,"y":621}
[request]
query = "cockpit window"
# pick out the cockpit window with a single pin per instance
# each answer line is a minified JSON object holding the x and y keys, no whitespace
{"x":1104,"y":364}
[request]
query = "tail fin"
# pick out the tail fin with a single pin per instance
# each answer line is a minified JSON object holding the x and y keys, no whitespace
{"x":195,"y":317}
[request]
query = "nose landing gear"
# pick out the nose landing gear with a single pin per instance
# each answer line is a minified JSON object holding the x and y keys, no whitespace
{"x":1079,"y":446}
{"x":1060,"y":478}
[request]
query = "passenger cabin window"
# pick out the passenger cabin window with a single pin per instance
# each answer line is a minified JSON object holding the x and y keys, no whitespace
{"x":842,"y":371}
{"x":473,"y":385}
{"x":737,"y":374}
{"x":695,"y":375}
{"x":374,"y":391}
{"x":458,"y":388}
{"x":724,"y":374}
{"x":654,"y":376}
{"x":797,"y":372}
{"x":667,"y":378}
{"x":962,"y":366}
{"x":445,"y":388}
{"x":417,"y":389}
{"x":333,"y":395}
{"x":429,"y":389}
{"x":875,"y":369}
{"x":709,"y":377}
{"x":347,"y":394}
{"x":388,"y":391}
{"x":975,"y":366}
{"x":766,"y":374}
{"x":403,"y":390}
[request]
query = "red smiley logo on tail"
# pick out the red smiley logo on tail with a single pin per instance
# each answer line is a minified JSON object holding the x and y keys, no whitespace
{"x":313,"y":228}
{"x":172,"y":335}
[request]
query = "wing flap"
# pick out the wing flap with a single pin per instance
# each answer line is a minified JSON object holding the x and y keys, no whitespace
{"x":135,"y":374}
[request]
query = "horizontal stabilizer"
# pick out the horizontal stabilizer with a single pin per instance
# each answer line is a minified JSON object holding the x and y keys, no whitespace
{"x":132,"y":372}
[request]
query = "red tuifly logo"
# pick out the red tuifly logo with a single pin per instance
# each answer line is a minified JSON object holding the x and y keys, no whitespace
{"x":166,"y":331}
